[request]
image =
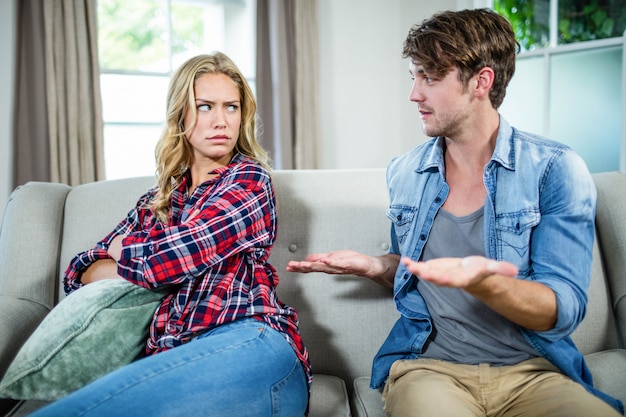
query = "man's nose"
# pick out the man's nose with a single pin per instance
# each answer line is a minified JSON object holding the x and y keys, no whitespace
{"x":415,"y":94}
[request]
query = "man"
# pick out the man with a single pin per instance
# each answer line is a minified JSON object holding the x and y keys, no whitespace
{"x":492,"y":236}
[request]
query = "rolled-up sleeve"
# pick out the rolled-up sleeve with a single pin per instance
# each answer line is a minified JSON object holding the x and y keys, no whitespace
{"x":80,"y":262}
{"x":562,"y":243}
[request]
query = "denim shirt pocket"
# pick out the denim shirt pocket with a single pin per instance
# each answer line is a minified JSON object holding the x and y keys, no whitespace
{"x":514,"y":231}
{"x":402,"y":218}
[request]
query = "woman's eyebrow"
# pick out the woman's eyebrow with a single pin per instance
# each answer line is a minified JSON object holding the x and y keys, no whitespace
{"x":203,"y":100}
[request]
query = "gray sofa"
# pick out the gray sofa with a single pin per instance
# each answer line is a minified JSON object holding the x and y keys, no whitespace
{"x":343,"y":319}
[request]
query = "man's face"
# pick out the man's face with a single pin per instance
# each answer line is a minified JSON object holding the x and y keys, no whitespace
{"x":443,"y":102}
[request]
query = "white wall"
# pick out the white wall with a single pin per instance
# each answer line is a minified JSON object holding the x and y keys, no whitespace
{"x":7,"y":57}
{"x":365,"y":115}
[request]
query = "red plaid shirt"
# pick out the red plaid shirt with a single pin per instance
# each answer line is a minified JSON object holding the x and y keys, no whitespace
{"x":213,"y":253}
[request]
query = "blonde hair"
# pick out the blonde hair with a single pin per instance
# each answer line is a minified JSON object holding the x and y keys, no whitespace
{"x":173,"y":152}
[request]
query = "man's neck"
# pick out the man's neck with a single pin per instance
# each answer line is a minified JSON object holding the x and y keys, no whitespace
{"x":472,"y":149}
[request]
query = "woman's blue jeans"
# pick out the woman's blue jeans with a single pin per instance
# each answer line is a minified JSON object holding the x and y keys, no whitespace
{"x":244,"y":368}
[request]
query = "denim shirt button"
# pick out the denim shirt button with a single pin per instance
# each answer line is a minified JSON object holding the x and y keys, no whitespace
{"x":422,"y":237}
{"x":438,"y":200}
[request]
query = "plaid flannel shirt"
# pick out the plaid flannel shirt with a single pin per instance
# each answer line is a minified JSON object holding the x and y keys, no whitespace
{"x":213,"y":253}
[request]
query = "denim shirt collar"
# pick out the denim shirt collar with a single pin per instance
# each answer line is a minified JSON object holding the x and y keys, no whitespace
{"x":503,"y":154}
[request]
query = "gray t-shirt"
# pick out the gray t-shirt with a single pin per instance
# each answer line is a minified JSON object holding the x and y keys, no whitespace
{"x":466,"y":330}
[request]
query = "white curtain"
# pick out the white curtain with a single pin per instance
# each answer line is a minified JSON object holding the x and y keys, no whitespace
{"x":307,"y":60}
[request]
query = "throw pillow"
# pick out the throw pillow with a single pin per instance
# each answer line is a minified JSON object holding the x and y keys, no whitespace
{"x":93,"y":331}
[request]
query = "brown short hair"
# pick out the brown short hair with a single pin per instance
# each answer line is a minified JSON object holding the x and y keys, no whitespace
{"x":468,"y":40}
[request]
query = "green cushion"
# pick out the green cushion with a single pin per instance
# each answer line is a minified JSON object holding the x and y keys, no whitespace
{"x":93,"y":331}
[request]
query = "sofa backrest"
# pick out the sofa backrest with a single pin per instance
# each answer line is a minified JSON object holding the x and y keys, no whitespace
{"x":29,"y":239}
{"x":345,"y":319}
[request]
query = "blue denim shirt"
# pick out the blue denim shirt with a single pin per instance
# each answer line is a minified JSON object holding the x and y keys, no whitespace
{"x":539,"y":215}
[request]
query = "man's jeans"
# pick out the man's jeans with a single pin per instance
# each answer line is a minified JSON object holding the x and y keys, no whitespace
{"x":244,"y":368}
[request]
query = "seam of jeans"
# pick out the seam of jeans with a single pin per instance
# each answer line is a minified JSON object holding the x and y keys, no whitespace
{"x":277,"y":387}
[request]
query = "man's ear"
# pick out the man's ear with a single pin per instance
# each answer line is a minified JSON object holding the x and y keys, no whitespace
{"x":484,"y":81}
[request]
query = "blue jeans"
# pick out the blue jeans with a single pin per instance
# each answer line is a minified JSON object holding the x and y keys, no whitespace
{"x":244,"y":368}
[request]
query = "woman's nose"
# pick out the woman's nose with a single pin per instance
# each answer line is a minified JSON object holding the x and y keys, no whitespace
{"x":220,"y":119}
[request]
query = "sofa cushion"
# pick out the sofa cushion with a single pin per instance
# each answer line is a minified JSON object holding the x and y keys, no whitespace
{"x":93,"y":331}
{"x":329,"y":397}
{"x":29,"y":250}
{"x":608,"y":369}
{"x":367,"y":402}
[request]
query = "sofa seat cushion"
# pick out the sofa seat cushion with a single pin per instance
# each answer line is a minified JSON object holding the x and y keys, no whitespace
{"x":609,"y":369}
{"x":93,"y":331}
{"x":329,"y":397}
{"x":367,"y":401}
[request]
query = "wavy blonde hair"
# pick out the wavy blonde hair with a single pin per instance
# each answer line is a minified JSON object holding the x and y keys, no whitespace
{"x":173,"y":152}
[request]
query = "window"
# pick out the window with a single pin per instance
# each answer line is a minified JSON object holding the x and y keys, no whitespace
{"x":543,"y":23}
{"x":140,"y":44}
{"x":569,"y":76}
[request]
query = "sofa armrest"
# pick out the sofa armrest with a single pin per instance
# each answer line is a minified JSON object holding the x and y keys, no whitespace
{"x":18,"y":320}
{"x":30,"y":241}
{"x":611,"y":232}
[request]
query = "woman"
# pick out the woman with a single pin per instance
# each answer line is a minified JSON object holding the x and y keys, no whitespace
{"x":220,"y":343}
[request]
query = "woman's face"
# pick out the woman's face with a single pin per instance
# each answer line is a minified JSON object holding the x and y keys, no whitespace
{"x":214,"y":134}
